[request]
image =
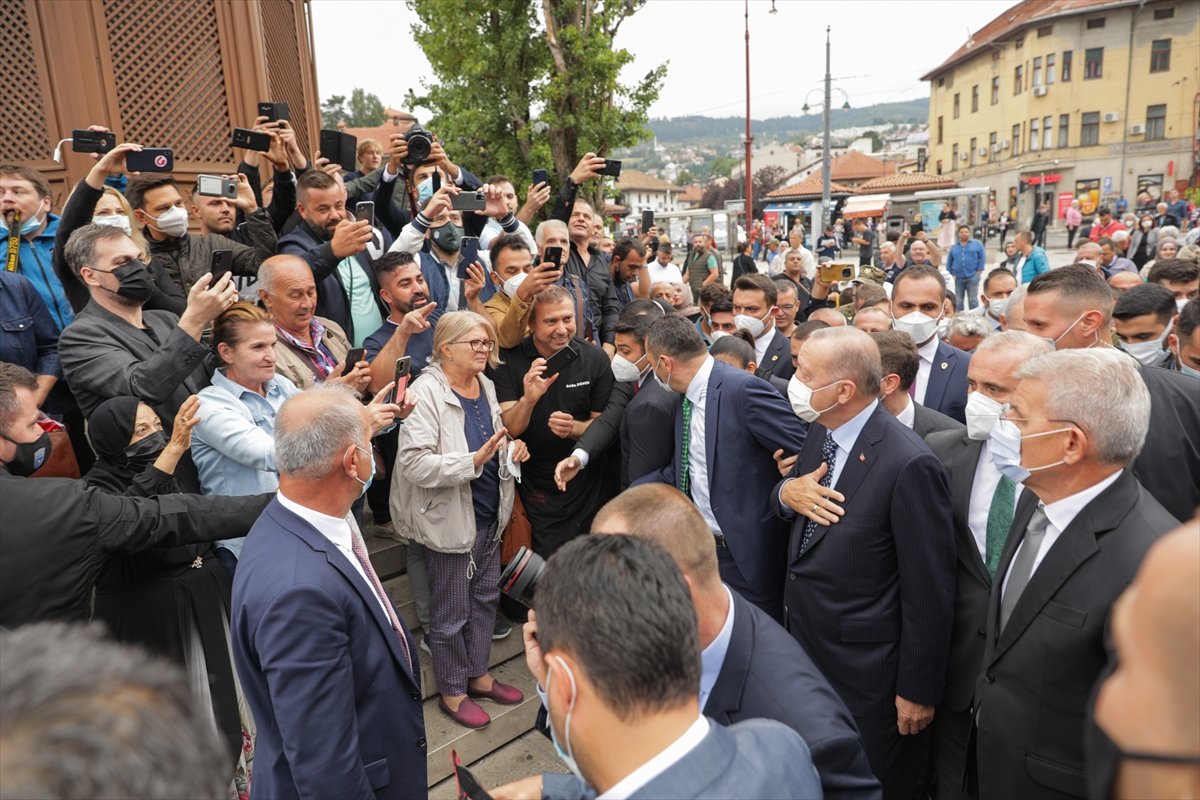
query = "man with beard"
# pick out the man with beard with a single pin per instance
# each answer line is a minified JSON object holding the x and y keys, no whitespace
{"x":341,"y":253}
{"x":408,"y":328}
{"x":219,"y":215}
{"x":628,"y":259}
{"x":588,"y":280}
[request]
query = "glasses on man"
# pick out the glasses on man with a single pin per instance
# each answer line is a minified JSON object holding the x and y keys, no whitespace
{"x":479,"y":345}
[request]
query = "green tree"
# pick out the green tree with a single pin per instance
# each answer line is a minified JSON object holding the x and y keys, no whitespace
{"x":518,"y":85}
{"x":366,"y":110}
{"x":685,"y":178}
{"x":876,"y":140}
{"x":333,"y":111}
{"x":721,"y":167}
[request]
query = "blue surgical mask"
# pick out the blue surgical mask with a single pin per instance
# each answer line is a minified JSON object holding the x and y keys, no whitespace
{"x":370,"y":460}
{"x":1005,"y":441}
{"x":663,"y":383}
{"x":424,"y":191}
{"x":27,"y":227}
{"x":566,"y":755}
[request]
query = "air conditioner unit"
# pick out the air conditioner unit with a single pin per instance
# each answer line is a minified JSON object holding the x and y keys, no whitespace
{"x":996,"y":148}
{"x":1112,"y":116}
{"x":1003,"y":145}
{"x":983,"y":151}
{"x":1039,"y":91}
{"x":1137,"y":130}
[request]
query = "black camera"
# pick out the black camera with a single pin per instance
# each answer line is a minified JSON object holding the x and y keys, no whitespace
{"x":520,"y":578}
{"x":420,"y":145}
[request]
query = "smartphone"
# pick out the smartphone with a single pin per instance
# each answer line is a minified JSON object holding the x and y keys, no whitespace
{"x":403,"y":365}
{"x":435,"y":181}
{"x":540,"y":176}
{"x":355,"y":355}
{"x":469,"y":201}
{"x":348,"y":152}
{"x":559,"y":361}
{"x":216,"y":186}
{"x":612,"y":168}
{"x":365,"y":210}
{"x":835,"y":272}
{"x":553,"y":259}
{"x":251,"y":140}
{"x":274,"y":111}
{"x":220,"y":264}
{"x":92,"y":142}
{"x":330,"y":144}
{"x":150,"y":159}
{"x":647,"y":220}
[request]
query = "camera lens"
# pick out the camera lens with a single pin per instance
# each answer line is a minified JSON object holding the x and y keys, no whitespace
{"x":420,"y":145}
{"x":520,"y":578}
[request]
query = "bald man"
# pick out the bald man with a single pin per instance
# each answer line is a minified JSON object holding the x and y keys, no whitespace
{"x":830,"y":316}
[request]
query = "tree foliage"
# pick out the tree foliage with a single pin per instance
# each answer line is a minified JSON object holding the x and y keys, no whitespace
{"x":363,"y":110}
{"x":767,"y":179}
{"x":520,"y":85}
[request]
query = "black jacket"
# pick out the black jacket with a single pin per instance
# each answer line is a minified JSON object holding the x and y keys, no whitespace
{"x":927,"y":421}
{"x":187,"y":258}
{"x":1169,"y":464}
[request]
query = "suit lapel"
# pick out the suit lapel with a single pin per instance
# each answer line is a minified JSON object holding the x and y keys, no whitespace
{"x":962,"y":480}
{"x":712,"y":414}
{"x":939,"y":377}
{"x":859,"y":462}
{"x":775,"y":351}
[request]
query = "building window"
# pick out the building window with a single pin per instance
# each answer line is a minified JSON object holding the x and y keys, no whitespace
{"x":1164,"y":13}
{"x":1018,"y":78}
{"x":1034,"y":140}
{"x":939,"y":130}
{"x":1020,"y":43}
{"x":1064,"y":128}
{"x":1047,"y":132}
{"x":1093,"y":63}
{"x":1156,"y":122}
{"x":973,"y":143}
{"x":995,"y":91}
{"x":1089,"y":129}
{"x":995,"y":57}
{"x":1094,"y":23}
{"x":974,"y":98}
{"x":1045,"y":30}
{"x":942,"y":82}
{"x":1160,"y":55}
{"x":954,"y":156}
{"x":1037,"y":71}
{"x":1016,"y":140}
{"x":1050,"y":69}
{"x":991,"y":145}
{"x":956,"y":105}
{"x":1066,"y":76}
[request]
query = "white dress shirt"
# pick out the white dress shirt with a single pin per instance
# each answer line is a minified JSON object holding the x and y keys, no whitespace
{"x":909,"y":414}
{"x":927,"y":352}
{"x":697,"y":392}
{"x":712,"y":658}
{"x":1060,"y":514}
{"x":762,"y":343}
{"x":660,"y":274}
{"x":983,"y":487}
{"x":656,"y":766}
{"x":339,"y":531}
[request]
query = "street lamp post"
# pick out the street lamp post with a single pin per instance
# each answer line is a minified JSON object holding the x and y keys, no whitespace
{"x":748,"y":186}
{"x":819,"y":218}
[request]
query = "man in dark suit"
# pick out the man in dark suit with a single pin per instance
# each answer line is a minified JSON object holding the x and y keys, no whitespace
{"x":728,"y":423}
{"x":870,"y":597}
{"x":900,"y":360}
{"x":1073,"y":306}
{"x":749,"y":666}
{"x":983,"y":502}
{"x":918,"y":294}
{"x":1074,"y":426}
{"x":627,"y":718}
{"x":754,"y":299}
{"x":329,"y":671}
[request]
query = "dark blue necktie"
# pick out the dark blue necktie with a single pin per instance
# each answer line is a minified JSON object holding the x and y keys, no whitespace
{"x":829,"y":456}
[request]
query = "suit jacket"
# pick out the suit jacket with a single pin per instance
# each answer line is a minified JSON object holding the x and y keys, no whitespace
{"x":647,"y":431}
{"x":752,"y":759}
{"x":1031,"y":700}
{"x":767,"y":675}
{"x":778,"y":358}
{"x":927,"y":421}
{"x":960,"y":455}
{"x":337,"y":704}
{"x":947,"y":389}
{"x":1169,"y":464}
{"x":745,"y":422}
{"x":872,"y":600}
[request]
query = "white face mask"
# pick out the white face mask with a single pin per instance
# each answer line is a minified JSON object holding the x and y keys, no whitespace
{"x":114,"y":221}
{"x":625,"y":370}
{"x":997,"y":307}
{"x":512,"y":284}
{"x":754,"y":325}
{"x":718,"y":335}
{"x":1150,"y":353}
{"x":919,"y":326}
{"x":173,"y":222}
{"x":982,"y":414}
{"x":663,"y":383}
{"x":1005,"y":442}
{"x":801,"y":396}
{"x":1180,"y":302}
{"x":566,"y":755}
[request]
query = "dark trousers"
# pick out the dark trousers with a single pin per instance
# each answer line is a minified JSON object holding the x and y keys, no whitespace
{"x":950,"y":732}
{"x":894,"y":759}
{"x":1071,"y":230}
{"x":768,"y":598}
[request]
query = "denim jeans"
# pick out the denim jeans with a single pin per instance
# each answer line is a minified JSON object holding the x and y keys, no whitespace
{"x":969,"y":287}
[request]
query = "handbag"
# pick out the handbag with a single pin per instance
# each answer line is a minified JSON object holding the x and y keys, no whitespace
{"x":518,"y":533}
{"x":62,"y":462}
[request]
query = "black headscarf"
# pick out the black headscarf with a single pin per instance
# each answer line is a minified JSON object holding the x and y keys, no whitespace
{"x":110,"y":427}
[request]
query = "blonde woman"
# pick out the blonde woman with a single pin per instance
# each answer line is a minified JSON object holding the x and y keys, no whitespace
{"x":452,"y":494}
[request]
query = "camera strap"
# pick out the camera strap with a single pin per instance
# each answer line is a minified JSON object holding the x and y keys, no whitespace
{"x":14,"y":244}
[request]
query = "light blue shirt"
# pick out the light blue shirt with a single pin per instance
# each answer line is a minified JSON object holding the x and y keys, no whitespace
{"x":712,"y":658}
{"x":361,"y":298}
{"x":233,"y":445}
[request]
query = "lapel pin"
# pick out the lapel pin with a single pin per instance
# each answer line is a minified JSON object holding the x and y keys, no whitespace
{"x":945,"y":365}
{"x":862,"y":457}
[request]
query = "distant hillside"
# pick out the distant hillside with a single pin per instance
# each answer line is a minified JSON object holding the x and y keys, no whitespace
{"x":685,"y":130}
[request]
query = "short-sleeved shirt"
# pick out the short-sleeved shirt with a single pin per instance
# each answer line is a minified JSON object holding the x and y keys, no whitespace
{"x":582,"y":387}
{"x":420,"y":347}
{"x":360,"y":297}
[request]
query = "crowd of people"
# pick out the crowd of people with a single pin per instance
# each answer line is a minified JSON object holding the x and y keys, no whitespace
{"x":865,"y":532}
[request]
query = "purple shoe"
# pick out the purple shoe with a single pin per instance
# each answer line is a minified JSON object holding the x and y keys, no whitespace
{"x":469,"y":714}
{"x":501,"y":693}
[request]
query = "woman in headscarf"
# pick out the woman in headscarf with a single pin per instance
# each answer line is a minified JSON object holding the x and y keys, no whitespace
{"x":172,"y":600}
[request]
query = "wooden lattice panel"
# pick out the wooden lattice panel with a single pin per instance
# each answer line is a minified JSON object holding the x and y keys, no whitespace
{"x":166,"y":57}
{"x":284,"y":70}
{"x":24,"y":133}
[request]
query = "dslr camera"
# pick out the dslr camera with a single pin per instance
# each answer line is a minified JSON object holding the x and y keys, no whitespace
{"x":520,"y":577}
{"x":420,"y":145}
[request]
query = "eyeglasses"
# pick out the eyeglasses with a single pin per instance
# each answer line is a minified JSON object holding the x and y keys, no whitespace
{"x":478,"y":345}
{"x":1006,"y":411}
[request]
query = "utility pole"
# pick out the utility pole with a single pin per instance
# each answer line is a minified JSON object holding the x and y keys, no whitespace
{"x":749,"y":192}
{"x":826,"y":157}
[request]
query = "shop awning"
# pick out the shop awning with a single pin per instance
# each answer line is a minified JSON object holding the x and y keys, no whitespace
{"x":790,"y":208}
{"x":867,"y":205}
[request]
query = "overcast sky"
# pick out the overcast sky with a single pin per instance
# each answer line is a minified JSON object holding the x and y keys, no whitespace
{"x":880,"y":50}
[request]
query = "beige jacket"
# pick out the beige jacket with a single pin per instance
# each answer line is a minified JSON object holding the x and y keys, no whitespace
{"x":431,"y":483}
{"x":510,"y":316}
{"x":296,"y":366}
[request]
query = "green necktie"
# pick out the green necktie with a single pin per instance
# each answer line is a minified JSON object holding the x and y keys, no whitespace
{"x":685,"y":448}
{"x":1000,"y":517}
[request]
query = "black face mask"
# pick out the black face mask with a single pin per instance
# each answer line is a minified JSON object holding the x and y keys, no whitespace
{"x":135,"y":282}
{"x":144,"y":452}
{"x":30,"y":455}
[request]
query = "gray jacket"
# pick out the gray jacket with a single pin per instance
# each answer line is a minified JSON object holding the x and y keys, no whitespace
{"x":431,"y":484}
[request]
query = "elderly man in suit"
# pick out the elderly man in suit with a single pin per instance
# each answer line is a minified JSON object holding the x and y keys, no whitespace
{"x":728,"y":425}
{"x":1072,"y":306}
{"x":901,"y":362}
{"x":627,"y":719}
{"x":1070,"y":433}
{"x":330,"y":672}
{"x":918,"y":296}
{"x":870,"y":589}
{"x":750,"y":667}
{"x":983,"y":501}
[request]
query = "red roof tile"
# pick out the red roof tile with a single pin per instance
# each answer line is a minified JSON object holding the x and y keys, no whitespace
{"x":911,"y":181}
{"x":809,"y":187}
